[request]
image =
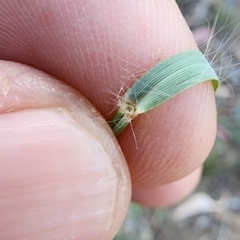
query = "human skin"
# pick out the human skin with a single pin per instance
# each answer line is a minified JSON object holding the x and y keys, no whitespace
{"x":63,"y":173}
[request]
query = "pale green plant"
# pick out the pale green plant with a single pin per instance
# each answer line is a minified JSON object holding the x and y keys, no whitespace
{"x":161,"y":83}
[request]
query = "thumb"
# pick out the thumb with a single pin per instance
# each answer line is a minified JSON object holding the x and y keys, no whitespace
{"x":62,"y":171}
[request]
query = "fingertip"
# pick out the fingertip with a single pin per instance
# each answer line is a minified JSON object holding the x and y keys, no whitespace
{"x":176,"y":140}
{"x":169,"y":194}
{"x":62,"y":171}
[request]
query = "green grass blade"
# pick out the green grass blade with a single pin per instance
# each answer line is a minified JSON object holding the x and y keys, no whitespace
{"x":169,"y":78}
{"x":119,"y":123}
{"x":162,"y":82}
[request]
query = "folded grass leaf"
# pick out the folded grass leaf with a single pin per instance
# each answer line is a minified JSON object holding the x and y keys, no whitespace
{"x":162,"y":82}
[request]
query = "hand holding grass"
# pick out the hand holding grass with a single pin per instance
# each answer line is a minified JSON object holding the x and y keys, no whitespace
{"x":62,"y":171}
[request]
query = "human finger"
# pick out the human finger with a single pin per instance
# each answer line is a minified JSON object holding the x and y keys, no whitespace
{"x":99,"y":47}
{"x":62,"y":171}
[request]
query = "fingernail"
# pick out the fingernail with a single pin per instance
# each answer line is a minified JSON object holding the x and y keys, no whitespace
{"x":57,"y":181}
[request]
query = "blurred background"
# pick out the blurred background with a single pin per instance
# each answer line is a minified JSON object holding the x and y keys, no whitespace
{"x":212,"y":212}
